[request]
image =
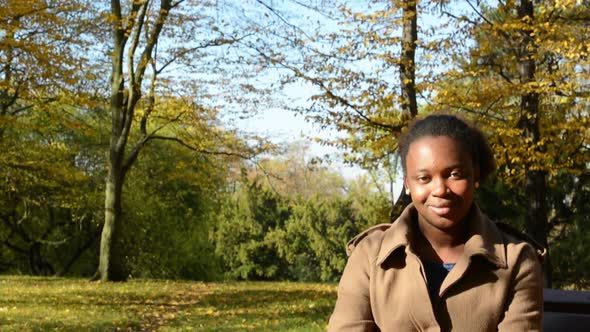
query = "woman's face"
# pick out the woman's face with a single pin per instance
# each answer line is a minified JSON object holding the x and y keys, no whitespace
{"x":440,"y":176}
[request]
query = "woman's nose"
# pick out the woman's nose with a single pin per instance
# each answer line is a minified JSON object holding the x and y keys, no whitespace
{"x":439,"y":187}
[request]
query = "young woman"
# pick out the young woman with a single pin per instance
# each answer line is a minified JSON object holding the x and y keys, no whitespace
{"x":442,"y":265}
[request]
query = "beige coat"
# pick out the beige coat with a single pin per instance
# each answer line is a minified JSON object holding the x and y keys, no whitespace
{"x":496,"y":284}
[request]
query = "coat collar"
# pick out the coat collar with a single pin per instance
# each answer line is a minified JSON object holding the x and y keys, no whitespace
{"x":484,"y":239}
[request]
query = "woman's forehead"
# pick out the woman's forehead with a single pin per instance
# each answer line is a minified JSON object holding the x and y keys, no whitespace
{"x":437,"y":151}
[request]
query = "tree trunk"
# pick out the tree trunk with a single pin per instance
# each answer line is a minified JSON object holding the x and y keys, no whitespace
{"x":408,"y":58}
{"x":123,"y":102}
{"x":407,"y":75}
{"x":536,"y":216}
{"x":535,"y":185}
{"x":111,"y":265}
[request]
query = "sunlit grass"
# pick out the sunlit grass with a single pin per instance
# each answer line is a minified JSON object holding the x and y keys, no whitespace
{"x":42,"y":304}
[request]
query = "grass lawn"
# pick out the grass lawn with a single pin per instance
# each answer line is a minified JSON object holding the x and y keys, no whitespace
{"x":58,"y":304}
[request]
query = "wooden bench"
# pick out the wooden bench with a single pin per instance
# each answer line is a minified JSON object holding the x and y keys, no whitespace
{"x":566,"y":311}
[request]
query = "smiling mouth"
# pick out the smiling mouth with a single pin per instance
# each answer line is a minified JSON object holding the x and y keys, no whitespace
{"x":440,"y":210}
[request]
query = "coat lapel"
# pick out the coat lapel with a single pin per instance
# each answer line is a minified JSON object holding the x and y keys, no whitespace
{"x":485,"y":240}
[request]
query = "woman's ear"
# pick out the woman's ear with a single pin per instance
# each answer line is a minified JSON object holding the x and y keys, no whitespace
{"x":406,"y":187}
{"x":476,"y":178}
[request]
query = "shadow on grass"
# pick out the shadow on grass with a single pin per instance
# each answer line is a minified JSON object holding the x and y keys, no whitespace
{"x":260,"y":309}
{"x":56,"y":326}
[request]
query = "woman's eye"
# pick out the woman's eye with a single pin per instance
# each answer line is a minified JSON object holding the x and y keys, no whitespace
{"x":456,"y":174}
{"x":422,"y":179}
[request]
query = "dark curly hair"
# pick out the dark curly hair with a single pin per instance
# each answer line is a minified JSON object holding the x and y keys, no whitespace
{"x":451,"y":126}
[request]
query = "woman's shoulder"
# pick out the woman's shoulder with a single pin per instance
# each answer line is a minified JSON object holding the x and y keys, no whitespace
{"x":370,"y":238}
{"x":517,"y":241}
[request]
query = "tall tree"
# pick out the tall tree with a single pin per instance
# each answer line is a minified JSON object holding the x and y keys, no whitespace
{"x":407,"y":78}
{"x":136,"y":31}
{"x":163,"y":75}
{"x":367,"y":81}
{"x":526,"y":85}
{"x":41,"y":63}
{"x":529,"y":123}
{"x":126,"y":90}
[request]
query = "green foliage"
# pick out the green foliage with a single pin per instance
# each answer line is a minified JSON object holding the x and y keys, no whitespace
{"x":569,"y":254}
{"x":172,"y":199}
{"x":501,"y":203}
{"x":41,"y":54}
{"x":243,"y":236}
{"x":53,"y":172}
{"x":314,"y":238}
{"x":49,"y":194}
{"x":568,"y":229}
{"x":570,"y":224}
{"x":371,"y":203}
{"x":264,"y":235}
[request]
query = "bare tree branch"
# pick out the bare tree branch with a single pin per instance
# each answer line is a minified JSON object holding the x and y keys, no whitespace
{"x":134,"y":29}
{"x":211,"y":43}
{"x":329,"y":93}
{"x":277,"y":14}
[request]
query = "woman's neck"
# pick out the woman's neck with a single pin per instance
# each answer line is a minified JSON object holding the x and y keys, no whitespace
{"x":440,"y":246}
